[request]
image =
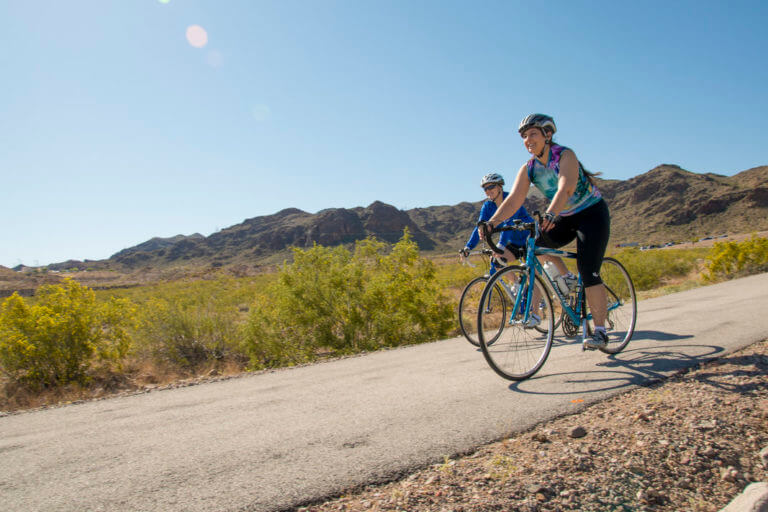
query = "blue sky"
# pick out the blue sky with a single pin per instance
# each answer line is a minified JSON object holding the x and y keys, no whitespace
{"x":115,"y":129}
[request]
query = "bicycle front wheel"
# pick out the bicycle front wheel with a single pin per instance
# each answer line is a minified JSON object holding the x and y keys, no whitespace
{"x":622,"y":305}
{"x":557,"y":315}
{"x":519,"y":350}
{"x":468,"y":306}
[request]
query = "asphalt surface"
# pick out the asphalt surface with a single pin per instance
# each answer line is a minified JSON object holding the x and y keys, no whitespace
{"x":274,"y":440}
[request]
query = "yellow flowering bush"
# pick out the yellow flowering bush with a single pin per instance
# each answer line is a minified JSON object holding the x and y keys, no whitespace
{"x":736,"y":259}
{"x":56,"y":340}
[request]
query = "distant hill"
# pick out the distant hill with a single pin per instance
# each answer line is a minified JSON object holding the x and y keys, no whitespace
{"x":664,"y":204}
{"x":24,"y":283}
{"x":668,"y":202}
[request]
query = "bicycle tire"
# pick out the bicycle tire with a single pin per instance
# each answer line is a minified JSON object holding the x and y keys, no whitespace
{"x":518,"y":352}
{"x":468,"y":305}
{"x":622,"y":305}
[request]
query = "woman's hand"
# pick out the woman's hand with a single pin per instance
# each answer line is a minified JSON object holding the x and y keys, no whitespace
{"x":548,"y":221}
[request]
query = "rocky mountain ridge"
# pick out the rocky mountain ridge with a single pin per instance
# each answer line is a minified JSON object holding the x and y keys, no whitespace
{"x":665,"y":203}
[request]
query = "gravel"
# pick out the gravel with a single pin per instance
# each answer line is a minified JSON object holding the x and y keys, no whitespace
{"x":692,"y":442}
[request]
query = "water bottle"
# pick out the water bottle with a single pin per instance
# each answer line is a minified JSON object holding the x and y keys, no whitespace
{"x":554,"y":274}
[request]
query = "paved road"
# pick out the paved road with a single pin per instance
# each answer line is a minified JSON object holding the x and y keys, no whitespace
{"x":269,"y":441}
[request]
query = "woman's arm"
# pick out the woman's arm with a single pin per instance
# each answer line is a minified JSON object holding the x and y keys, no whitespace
{"x":566,"y":186}
{"x":515,"y":198}
{"x":485,"y":214}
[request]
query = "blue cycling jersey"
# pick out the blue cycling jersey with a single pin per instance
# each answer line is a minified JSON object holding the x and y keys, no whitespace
{"x":517,"y":238}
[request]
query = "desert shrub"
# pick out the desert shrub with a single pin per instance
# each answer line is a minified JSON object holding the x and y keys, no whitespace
{"x":331,"y":299}
{"x":649,"y":269}
{"x":56,"y":340}
{"x":727,"y":260}
{"x":456,"y":275}
{"x":189,"y":325}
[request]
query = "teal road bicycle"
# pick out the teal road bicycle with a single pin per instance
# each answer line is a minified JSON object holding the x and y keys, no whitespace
{"x":512,"y":348}
{"x":470,"y":299}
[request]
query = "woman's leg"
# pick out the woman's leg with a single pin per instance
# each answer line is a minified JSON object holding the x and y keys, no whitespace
{"x":598,"y":303}
{"x":592,"y":241}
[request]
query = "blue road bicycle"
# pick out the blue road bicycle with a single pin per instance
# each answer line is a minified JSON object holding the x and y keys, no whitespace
{"x":513,"y":349}
{"x":505,"y":295}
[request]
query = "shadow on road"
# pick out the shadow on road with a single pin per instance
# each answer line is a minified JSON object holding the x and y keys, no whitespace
{"x":637,"y":336}
{"x":658,"y":336}
{"x":632,"y":367}
{"x":753,"y":366}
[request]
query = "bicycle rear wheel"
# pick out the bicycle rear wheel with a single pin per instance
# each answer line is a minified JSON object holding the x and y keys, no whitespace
{"x":622,"y":305}
{"x":517,"y":352}
{"x":468,"y":306}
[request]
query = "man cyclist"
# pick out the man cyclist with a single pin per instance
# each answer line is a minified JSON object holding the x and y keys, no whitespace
{"x":576,"y":210}
{"x":511,"y":242}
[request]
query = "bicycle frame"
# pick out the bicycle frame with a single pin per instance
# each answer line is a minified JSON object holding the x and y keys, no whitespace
{"x":579,"y":316}
{"x":532,"y":266}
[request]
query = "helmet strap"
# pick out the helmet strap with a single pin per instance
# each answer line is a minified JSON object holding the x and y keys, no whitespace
{"x":544,"y":149}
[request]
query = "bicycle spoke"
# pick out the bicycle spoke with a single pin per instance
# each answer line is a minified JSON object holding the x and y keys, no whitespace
{"x":520,"y":350}
{"x":622,"y":305}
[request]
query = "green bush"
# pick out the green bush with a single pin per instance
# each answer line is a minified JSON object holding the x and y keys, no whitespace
{"x":334,"y":300}
{"x":736,"y":259}
{"x":649,"y":269}
{"x":189,"y":325}
{"x":56,"y":340}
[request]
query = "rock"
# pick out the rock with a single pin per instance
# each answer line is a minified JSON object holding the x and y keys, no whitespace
{"x":705,"y":426}
{"x":649,"y":495}
{"x":764,"y":457}
{"x":729,"y":474}
{"x":538,"y":489}
{"x":754,"y":498}
{"x":540,"y":437}
{"x":577,"y":432}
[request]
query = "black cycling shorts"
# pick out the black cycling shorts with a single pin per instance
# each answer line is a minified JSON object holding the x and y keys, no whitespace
{"x":591,"y":229}
{"x":517,"y":250}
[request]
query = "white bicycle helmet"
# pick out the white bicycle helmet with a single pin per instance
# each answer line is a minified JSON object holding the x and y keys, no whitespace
{"x":542,"y":121}
{"x":494,"y":178}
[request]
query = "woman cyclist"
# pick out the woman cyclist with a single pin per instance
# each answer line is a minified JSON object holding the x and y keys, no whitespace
{"x":576,"y":210}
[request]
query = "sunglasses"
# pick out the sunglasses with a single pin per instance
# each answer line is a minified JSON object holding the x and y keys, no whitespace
{"x":489,"y":187}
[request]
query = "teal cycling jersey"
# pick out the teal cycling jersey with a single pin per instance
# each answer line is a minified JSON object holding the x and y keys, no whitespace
{"x":545,"y":178}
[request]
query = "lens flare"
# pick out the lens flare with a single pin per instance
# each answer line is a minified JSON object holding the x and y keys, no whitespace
{"x":197,"y":36}
{"x":261,"y":112}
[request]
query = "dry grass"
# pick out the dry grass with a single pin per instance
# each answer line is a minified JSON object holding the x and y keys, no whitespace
{"x":138,"y":376}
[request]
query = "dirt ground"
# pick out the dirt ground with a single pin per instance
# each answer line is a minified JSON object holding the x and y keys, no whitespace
{"x":691,"y":442}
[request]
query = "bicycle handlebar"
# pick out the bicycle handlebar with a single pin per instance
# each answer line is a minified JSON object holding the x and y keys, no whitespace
{"x":517,"y":225}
